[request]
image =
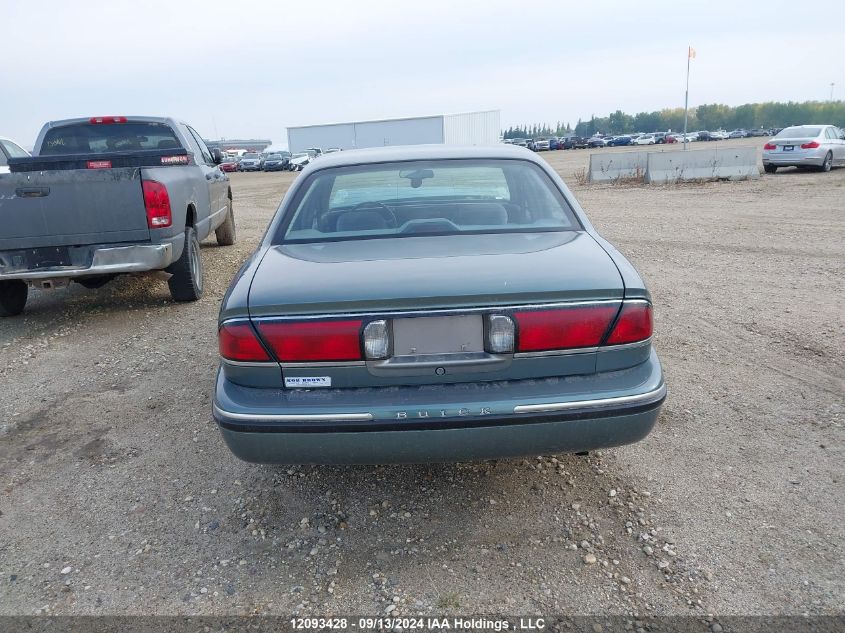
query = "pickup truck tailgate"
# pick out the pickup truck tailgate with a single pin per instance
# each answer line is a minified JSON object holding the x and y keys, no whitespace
{"x":72,"y":207}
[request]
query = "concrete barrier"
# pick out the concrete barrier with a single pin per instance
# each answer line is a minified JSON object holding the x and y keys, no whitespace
{"x":611,"y":166}
{"x":738,"y":163}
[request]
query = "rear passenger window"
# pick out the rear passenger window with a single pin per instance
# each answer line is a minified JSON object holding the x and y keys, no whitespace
{"x":101,"y":138}
{"x":830,"y":133}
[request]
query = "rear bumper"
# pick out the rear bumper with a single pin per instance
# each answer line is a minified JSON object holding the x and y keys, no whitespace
{"x":797,"y":159}
{"x":440,"y":423}
{"x":98,"y":260}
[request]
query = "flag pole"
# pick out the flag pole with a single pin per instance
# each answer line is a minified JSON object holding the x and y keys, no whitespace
{"x":686,"y":98}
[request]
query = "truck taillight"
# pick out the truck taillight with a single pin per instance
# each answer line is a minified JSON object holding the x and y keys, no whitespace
{"x":107,"y":119}
{"x":238,"y":342}
{"x":564,"y":328}
{"x":633,"y":325}
{"x":157,"y":202}
{"x":313,"y":341}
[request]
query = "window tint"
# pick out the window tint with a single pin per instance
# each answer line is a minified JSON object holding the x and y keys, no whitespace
{"x":799,"y":131}
{"x":206,"y":154}
{"x":100,"y":138}
{"x":14,"y":150}
{"x":426,"y":197}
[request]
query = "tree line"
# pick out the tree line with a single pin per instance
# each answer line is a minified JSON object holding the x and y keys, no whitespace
{"x":704,"y":117}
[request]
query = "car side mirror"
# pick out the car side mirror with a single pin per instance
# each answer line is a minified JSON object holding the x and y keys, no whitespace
{"x":217,"y":155}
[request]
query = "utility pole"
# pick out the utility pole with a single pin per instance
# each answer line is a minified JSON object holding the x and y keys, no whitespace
{"x":832,"y":84}
{"x":690,"y":55}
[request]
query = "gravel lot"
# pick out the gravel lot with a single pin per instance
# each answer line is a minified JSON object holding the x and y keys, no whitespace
{"x":119,"y":496}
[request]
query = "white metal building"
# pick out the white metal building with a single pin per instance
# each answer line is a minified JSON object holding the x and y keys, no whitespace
{"x":468,"y":128}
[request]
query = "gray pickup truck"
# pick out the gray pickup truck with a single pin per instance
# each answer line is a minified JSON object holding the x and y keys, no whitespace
{"x":110,"y":195}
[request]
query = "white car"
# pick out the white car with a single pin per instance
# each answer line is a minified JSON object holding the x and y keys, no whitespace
{"x":820,"y":146}
{"x":298,"y":161}
{"x":541,"y":145}
{"x":645,"y":139}
{"x":9,"y":149}
{"x":719,"y":135}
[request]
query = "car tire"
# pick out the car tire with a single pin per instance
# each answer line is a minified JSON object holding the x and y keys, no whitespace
{"x":770,"y":169}
{"x":225,"y":233}
{"x":13,"y":295}
{"x":186,"y":272}
{"x":828,"y":162}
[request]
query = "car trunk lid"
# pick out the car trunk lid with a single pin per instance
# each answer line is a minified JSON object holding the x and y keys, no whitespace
{"x":434,"y":293}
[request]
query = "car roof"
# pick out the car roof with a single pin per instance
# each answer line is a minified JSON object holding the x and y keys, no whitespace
{"x":423,"y":152}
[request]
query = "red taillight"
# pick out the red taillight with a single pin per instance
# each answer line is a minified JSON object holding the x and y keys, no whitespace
{"x":634,"y":324}
{"x":157,"y":202}
{"x":238,"y":342}
{"x":541,"y":330}
{"x":810,"y":145}
{"x":107,"y":119}
{"x":770,"y":146}
{"x":99,"y":164}
{"x":323,"y":341}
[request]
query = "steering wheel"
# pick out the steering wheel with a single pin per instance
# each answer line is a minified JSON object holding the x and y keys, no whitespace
{"x":382,"y":209}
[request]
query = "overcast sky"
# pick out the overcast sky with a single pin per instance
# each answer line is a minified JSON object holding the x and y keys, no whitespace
{"x":240,"y":69}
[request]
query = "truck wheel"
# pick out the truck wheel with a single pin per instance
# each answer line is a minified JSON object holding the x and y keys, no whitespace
{"x":186,"y":280}
{"x":225,"y":233}
{"x":13,"y":296}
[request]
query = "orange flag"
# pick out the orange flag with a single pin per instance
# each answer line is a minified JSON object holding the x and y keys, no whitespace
{"x":691,"y":53}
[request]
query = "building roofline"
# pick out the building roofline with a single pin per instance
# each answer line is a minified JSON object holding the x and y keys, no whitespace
{"x":404,"y":118}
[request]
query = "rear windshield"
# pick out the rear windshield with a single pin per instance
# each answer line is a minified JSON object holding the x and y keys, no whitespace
{"x":799,"y":131}
{"x":444,"y":197}
{"x":100,"y":138}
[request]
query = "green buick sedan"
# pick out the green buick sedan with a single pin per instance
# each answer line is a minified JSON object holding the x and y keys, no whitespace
{"x":433,"y":303}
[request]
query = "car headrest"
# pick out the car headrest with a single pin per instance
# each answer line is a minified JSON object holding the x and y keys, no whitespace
{"x":361,"y":221}
{"x":483,"y":213}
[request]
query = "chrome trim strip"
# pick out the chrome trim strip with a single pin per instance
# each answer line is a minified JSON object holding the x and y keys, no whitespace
{"x":308,"y":365}
{"x":640,"y":398}
{"x":557,"y":352}
{"x":287,"y":417}
{"x":250,"y":363}
{"x":436,"y":311}
{"x":624,"y":346}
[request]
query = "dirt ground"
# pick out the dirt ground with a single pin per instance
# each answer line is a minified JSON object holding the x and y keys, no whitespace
{"x":118,"y":496}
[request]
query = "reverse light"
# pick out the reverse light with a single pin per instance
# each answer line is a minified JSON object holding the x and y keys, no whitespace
{"x":377,"y":340}
{"x":157,"y":203}
{"x":633,"y":325}
{"x":238,"y":342}
{"x":500,"y":334}
{"x":810,"y":145}
{"x":770,"y":146}
{"x":107,"y":119}
{"x":321,"y":341}
{"x":565,"y":328}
